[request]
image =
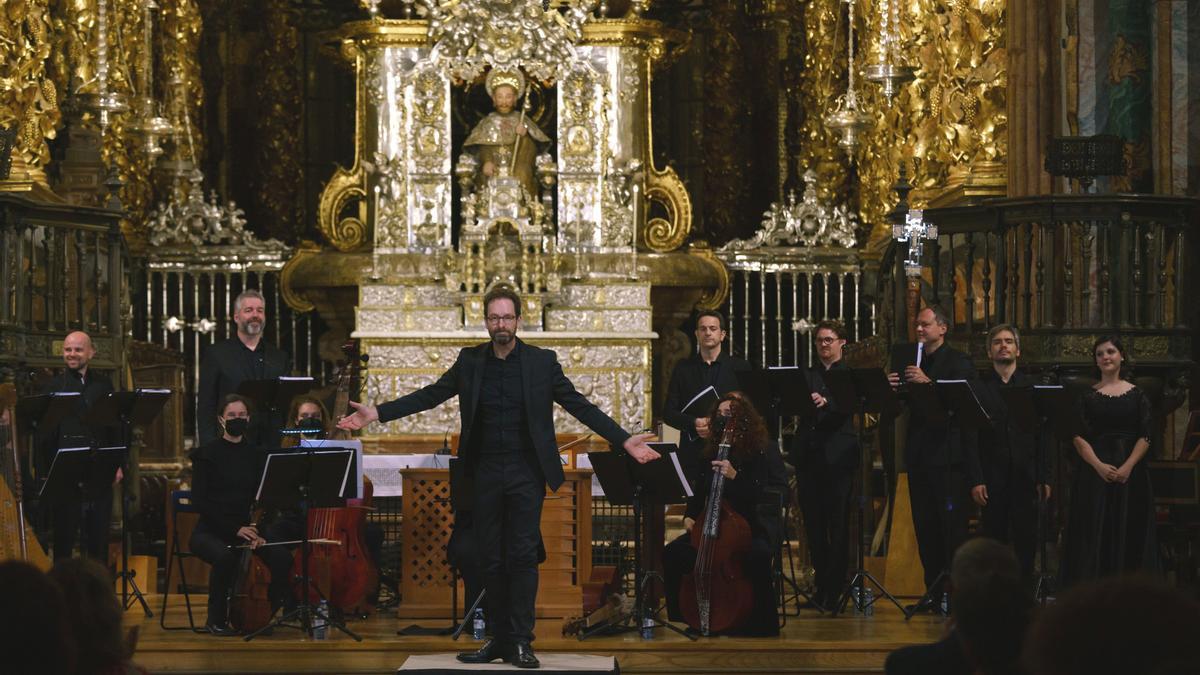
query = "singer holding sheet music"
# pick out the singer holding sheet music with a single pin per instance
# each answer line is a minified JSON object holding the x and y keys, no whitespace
{"x":225,"y":477}
{"x":229,"y":363}
{"x":754,"y":464}
{"x":710,"y":366}
{"x":506,"y":393}
{"x":825,"y":455}
{"x":91,"y":507}
{"x":1015,"y":462}
{"x":942,"y":460}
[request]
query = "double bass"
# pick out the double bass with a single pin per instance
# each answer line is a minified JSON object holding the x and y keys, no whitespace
{"x":343,"y":574}
{"x":718,"y":596}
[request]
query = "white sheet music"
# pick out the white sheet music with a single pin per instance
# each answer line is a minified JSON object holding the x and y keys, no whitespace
{"x":687,"y":487}
{"x":384,"y":470}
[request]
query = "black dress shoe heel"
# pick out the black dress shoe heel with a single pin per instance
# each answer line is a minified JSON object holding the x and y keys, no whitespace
{"x":523,"y":656}
{"x":490,"y":651}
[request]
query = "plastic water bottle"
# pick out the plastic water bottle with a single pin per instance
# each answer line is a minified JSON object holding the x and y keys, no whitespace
{"x":868,"y":601}
{"x":945,"y":604}
{"x":478,"y":625}
{"x":648,"y":626}
{"x":320,"y":622}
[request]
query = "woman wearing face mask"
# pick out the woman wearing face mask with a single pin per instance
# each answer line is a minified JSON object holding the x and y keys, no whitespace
{"x":306,"y":413}
{"x":225,"y":476}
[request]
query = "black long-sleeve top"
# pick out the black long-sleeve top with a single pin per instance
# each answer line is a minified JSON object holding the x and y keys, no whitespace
{"x":224,"y":481}
{"x":1006,"y":451}
{"x":932,"y":443}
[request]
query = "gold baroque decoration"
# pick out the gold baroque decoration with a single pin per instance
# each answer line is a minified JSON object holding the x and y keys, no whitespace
{"x":714,"y":298}
{"x":951,"y":119}
{"x":349,"y":233}
{"x":278,"y":159}
{"x":28,"y":99}
{"x":665,"y":187}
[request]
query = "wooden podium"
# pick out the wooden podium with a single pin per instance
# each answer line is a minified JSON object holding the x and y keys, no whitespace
{"x":425,"y":576}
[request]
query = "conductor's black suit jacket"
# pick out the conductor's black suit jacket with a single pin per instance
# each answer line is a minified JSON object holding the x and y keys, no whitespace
{"x":543,"y":384}
{"x":226,"y":365}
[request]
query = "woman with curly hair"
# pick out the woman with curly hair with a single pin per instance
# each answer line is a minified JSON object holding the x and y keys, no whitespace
{"x":754,"y":463}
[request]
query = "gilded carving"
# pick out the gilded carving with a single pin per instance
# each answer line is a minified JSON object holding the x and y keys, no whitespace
{"x":28,"y":99}
{"x":277,"y":159}
{"x":348,"y":232}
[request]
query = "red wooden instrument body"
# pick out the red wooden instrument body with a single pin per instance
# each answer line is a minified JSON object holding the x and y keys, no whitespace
{"x":249,"y":603}
{"x":344,"y":574}
{"x":718,"y":596}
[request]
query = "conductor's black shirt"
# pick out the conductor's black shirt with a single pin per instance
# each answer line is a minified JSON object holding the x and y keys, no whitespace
{"x":502,"y":405}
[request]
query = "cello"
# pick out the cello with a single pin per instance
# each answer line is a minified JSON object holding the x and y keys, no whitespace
{"x":249,"y":602}
{"x":718,"y":596}
{"x":342,"y":574}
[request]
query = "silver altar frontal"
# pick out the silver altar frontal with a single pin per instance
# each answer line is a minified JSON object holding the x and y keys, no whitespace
{"x":553,"y":193}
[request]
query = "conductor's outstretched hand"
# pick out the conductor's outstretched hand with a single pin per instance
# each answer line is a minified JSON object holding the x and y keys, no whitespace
{"x":363,"y":415}
{"x":637,"y":448}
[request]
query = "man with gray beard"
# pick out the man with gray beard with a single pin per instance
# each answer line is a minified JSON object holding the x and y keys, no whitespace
{"x":229,"y":363}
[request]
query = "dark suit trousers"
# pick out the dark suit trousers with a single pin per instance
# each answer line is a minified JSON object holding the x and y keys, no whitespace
{"x":213,"y":549}
{"x":824,"y":495}
{"x":507,"y":520}
{"x":940,"y":507}
{"x":1011,"y":517}
{"x":93,"y":514}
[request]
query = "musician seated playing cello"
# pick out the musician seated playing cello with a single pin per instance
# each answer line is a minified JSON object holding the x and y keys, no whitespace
{"x":225,"y":476}
{"x":753,"y":464}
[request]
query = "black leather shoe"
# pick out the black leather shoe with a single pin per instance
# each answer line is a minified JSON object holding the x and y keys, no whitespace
{"x":220,"y":629}
{"x":490,"y":651}
{"x":523,"y":656}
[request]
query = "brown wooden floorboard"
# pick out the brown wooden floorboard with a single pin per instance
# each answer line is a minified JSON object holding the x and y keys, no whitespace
{"x":809,"y":644}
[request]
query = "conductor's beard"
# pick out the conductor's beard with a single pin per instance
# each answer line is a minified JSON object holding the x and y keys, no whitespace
{"x":501,"y":336}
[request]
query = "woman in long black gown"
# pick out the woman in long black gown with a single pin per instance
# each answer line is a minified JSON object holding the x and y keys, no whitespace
{"x":1111,"y":523}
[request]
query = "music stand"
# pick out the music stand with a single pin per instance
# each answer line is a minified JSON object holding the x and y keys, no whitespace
{"x":129,"y":408}
{"x":627,"y":483}
{"x":273,"y":395}
{"x":311,"y":478}
{"x":784,"y":391}
{"x":1048,"y":413}
{"x":46,"y":410}
{"x":863,"y":391}
{"x":946,"y":402}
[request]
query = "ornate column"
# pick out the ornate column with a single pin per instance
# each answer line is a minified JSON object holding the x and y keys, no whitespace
{"x":1031,"y":97}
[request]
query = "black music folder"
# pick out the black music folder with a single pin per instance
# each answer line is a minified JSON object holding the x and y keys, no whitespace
{"x":904,"y":354}
{"x":138,"y":407}
{"x":864,"y":390}
{"x":275,"y":393}
{"x":91,"y":468}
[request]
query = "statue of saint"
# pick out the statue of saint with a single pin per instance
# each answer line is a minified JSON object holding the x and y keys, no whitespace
{"x":506,"y":135}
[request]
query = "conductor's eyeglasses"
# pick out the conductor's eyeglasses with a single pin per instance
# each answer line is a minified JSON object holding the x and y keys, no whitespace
{"x":496,"y":319}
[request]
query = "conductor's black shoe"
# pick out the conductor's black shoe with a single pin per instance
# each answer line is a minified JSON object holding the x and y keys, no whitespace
{"x":523,"y":657}
{"x":490,"y":651}
{"x":220,"y":629}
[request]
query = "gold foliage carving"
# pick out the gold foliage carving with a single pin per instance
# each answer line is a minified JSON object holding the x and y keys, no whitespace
{"x":947,"y":122}
{"x":28,"y":99}
{"x":278,"y":159}
{"x":713,"y":298}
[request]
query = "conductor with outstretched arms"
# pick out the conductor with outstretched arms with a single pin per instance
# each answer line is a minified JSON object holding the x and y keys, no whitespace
{"x":506,"y":390}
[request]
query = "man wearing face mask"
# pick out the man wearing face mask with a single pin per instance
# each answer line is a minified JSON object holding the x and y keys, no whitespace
{"x":229,"y":363}
{"x":91,"y":507}
{"x":225,"y":475}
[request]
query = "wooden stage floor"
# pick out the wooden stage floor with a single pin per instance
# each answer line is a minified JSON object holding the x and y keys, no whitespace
{"x":809,"y":644}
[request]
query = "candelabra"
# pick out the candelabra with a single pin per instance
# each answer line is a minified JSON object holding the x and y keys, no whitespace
{"x":889,"y":72}
{"x":149,"y":125}
{"x":847,"y":117}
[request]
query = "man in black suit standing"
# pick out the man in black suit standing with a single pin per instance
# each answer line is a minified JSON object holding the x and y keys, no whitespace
{"x":1015,"y":462}
{"x":942,"y":459}
{"x":91,"y":507}
{"x":825,"y":456}
{"x":709,"y":366}
{"x":506,"y":390}
{"x":230,"y":362}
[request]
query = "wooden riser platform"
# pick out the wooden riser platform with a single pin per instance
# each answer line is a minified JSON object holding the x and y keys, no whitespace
{"x":809,"y":644}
